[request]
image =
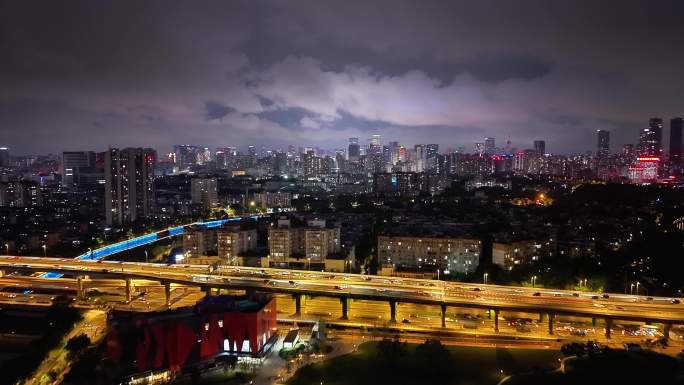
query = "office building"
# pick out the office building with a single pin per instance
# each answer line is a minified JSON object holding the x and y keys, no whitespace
{"x":650,"y":139}
{"x":203,"y":191}
{"x":540,"y":147}
{"x":354,"y":150}
{"x":489,"y":146}
{"x":129,"y":184}
{"x":78,"y":168}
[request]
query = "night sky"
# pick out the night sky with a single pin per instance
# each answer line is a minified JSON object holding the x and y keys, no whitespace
{"x":87,"y":74}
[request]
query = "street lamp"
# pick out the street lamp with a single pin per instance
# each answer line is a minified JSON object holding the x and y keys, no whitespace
{"x":146,"y":257}
{"x":631,"y":288}
{"x":308,"y":266}
{"x":44,"y":250}
{"x":534,"y":280}
{"x":7,"y":247}
{"x":637,"y":287}
{"x":484,"y":278}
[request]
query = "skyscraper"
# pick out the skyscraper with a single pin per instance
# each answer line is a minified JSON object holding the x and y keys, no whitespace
{"x":431,"y":150}
{"x":651,"y":138}
{"x":394,"y":152}
{"x":603,"y":143}
{"x":676,"y":127}
{"x":129,"y":184}
{"x":489,"y":145}
{"x":4,"y":157}
{"x":354,"y":151}
{"x":540,"y":147}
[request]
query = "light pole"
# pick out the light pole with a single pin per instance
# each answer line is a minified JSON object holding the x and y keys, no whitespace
{"x":484,"y":278}
{"x":146,"y":257}
{"x":631,"y":288}
{"x":44,"y":250}
{"x":637,"y":287}
{"x":308,"y":265}
{"x":7,"y":247}
{"x":534,"y":280}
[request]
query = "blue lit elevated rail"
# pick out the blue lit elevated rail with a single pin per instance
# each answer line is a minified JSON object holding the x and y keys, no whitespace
{"x":146,"y":239}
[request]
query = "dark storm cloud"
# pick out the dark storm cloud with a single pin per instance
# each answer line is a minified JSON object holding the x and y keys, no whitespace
{"x":216,"y":110}
{"x":91,"y":74}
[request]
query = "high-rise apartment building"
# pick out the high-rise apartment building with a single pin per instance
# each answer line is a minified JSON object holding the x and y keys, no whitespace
{"x":540,"y":147}
{"x":312,"y":164}
{"x":204,"y":191}
{"x":676,"y":127}
{"x":129,"y":184}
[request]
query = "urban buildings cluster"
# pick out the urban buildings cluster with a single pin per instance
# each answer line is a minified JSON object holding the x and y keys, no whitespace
{"x":52,"y":199}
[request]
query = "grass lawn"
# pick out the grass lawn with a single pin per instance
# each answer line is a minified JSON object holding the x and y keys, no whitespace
{"x":463,"y":366}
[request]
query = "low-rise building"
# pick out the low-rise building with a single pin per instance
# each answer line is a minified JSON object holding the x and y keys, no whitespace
{"x":234,"y":242}
{"x":199,"y":242}
{"x":458,"y":255}
{"x":309,"y":247}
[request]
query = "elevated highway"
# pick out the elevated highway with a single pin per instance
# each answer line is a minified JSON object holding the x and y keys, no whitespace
{"x":346,"y":287}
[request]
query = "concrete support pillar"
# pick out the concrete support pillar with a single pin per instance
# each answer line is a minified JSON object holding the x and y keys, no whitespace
{"x":609,"y":325}
{"x":666,"y":331}
{"x":207,"y":290}
{"x":393,"y":311}
{"x":129,"y":289}
{"x":298,"y":304}
{"x":2,"y":273}
{"x":541,"y":317}
{"x":80,"y":292}
{"x":167,"y":293}
{"x":345,"y":307}
{"x":444,"y":309}
{"x":593,"y":321}
{"x":496,"y":320}
{"x":551,"y":318}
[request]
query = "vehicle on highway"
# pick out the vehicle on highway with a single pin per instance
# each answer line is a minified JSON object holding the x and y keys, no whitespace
{"x":605,"y":296}
{"x":674,"y":301}
{"x":536,"y":294}
{"x":405,"y":321}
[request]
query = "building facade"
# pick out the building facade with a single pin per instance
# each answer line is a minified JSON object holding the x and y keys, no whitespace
{"x":459,"y":255}
{"x":129,"y":184}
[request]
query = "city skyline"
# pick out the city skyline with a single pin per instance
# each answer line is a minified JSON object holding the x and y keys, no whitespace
{"x":209,"y":75}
